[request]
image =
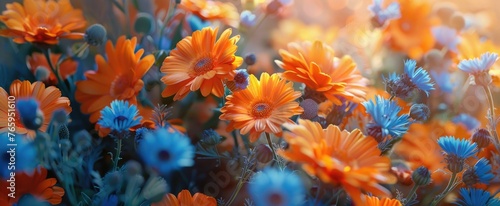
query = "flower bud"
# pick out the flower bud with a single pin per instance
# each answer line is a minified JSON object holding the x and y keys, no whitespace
{"x":144,"y":23}
{"x":483,"y":79}
{"x":457,"y":21}
{"x":95,"y":35}
{"x":310,"y":109}
{"x":63,"y":132}
{"x":113,"y":180}
{"x":481,"y":137}
{"x":240,"y":81}
{"x":210,"y":138}
{"x":82,"y":141}
{"x":420,"y":112}
{"x":133,"y":168}
{"x":31,"y":115}
{"x":421,"y":176}
{"x":42,"y":73}
{"x":264,"y":154}
{"x":248,"y":19}
{"x":250,"y":59}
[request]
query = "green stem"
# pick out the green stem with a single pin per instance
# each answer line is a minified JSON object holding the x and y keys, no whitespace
{"x":268,"y":137}
{"x":446,"y":190}
{"x":236,"y":191}
{"x":493,"y":129}
{"x":55,"y":70}
{"x":117,"y":156}
{"x":412,"y":193}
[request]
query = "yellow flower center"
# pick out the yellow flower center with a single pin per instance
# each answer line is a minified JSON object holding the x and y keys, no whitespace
{"x":203,"y":65}
{"x":261,"y":110}
{"x":119,"y":86}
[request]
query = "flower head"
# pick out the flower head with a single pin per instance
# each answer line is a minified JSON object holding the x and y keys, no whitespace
{"x":383,"y":15}
{"x":119,"y":116}
{"x":38,"y":64}
{"x":418,"y":76}
{"x":248,"y":19}
{"x":478,"y":65}
{"x":118,"y":77}
{"x":457,"y":151}
{"x":473,"y":196}
{"x":165,"y":150}
{"x":208,"y":10}
{"x":346,"y":159}
{"x":41,"y":21}
{"x":480,"y":173}
{"x":239,"y":82}
{"x":273,"y":187}
{"x":30,"y":114}
{"x":470,"y":122}
{"x":446,"y":37}
{"x":201,"y":63}
{"x":184,"y":198}
{"x":262,"y":107}
{"x":420,"y":112}
{"x":386,"y":118}
{"x":375,"y":201}
{"x":48,"y":98}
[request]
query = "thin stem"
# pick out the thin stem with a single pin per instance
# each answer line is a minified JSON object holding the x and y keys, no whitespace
{"x":164,"y":24}
{"x":272,"y":147}
{"x":492,"y":128}
{"x":235,"y":193}
{"x":412,"y":193}
{"x":118,"y":151}
{"x":55,"y":70}
{"x":236,"y":144}
{"x":446,"y":190}
{"x":392,"y":97}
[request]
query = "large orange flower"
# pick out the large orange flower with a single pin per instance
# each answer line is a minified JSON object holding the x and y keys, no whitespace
{"x":262,"y":107}
{"x":184,"y":198}
{"x":36,"y":185}
{"x":49,"y":100}
{"x":375,"y":201}
{"x":201,"y":63}
{"x":207,"y":10}
{"x":346,"y":159}
{"x":117,"y":78}
{"x":412,"y":32}
{"x":315,"y":65}
{"x":42,"y":21}
{"x":37,"y":62}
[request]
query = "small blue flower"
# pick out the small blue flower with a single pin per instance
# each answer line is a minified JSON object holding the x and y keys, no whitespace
{"x":461,"y":148}
{"x":248,"y":19}
{"x":478,"y":65}
{"x":22,"y":152}
{"x":275,"y":187}
{"x":419,"y":77}
{"x":475,"y":197}
{"x":30,"y":113}
{"x":139,"y":134}
{"x":120,"y":116}
{"x":483,"y":171}
{"x":165,"y":150}
{"x":241,"y":79}
{"x":447,"y":37}
{"x":444,"y":81}
{"x":391,"y":12}
{"x":470,"y":122}
{"x":385,"y":115}
{"x":196,"y":23}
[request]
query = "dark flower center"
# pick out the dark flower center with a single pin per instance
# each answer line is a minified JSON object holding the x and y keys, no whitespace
{"x":276,"y":199}
{"x":164,"y":155}
{"x":261,"y":110}
{"x":203,"y":65}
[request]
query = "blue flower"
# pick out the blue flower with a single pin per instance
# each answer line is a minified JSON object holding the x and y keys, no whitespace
{"x":391,"y":12}
{"x":111,"y":200}
{"x":165,"y":150}
{"x":139,"y":134}
{"x":483,"y":171}
{"x":419,"y":77}
{"x":447,"y":37}
{"x":30,"y":113}
{"x":241,"y":79}
{"x":120,"y":116}
{"x":461,"y":148}
{"x":478,"y":65}
{"x":475,"y":197}
{"x":386,"y":118}
{"x":470,"y":122}
{"x":275,"y":187}
{"x":248,"y":19}
{"x":22,"y":152}
{"x":443,"y":80}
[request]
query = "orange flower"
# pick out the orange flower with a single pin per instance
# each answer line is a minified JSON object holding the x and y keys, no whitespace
{"x":41,"y":21}
{"x":412,"y":32}
{"x":225,"y":12}
{"x":346,"y":159}
{"x":184,"y":198}
{"x":262,"y":107}
{"x":49,"y":99}
{"x":375,"y":201}
{"x":314,"y":65}
{"x":201,"y":63}
{"x":37,"y":61}
{"x":294,"y":30}
{"x":117,"y":78}
{"x":36,"y":185}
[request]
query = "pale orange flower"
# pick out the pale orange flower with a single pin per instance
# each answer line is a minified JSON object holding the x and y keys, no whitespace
{"x":294,"y":30}
{"x":42,"y":21}
{"x":37,"y":61}
{"x":375,"y":201}
{"x":118,"y":77}
{"x":315,"y":65}
{"x":346,"y":159}
{"x":184,"y":198}
{"x":49,"y":99}
{"x":262,"y":107}
{"x":201,"y":63}
{"x":411,"y":33}
{"x":37,"y":185}
{"x":208,"y":10}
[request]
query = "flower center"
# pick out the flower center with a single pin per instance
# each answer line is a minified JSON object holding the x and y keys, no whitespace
{"x":276,"y":199}
{"x":164,"y":155}
{"x":203,"y":65}
{"x":261,"y":110}
{"x":119,"y":85}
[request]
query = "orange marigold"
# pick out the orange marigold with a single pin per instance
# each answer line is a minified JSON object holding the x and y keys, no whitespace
{"x":184,"y":198}
{"x":315,"y":65}
{"x":225,"y":12}
{"x":412,"y":32}
{"x":262,"y":107}
{"x":375,"y":201}
{"x":42,"y":21}
{"x":49,"y":100}
{"x":37,"y":62}
{"x":117,"y":78}
{"x":201,"y":63}
{"x":346,"y":159}
{"x":36,"y":185}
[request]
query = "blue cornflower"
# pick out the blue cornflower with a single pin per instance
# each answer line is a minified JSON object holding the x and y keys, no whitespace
{"x":478,"y":65}
{"x":241,"y":79}
{"x":30,"y":113}
{"x":139,"y":134}
{"x":475,"y":197}
{"x":22,"y":150}
{"x":418,"y":76}
{"x":470,"y":122}
{"x":386,"y":119}
{"x":276,"y":187}
{"x":444,"y":82}
{"x":447,"y":37}
{"x":120,"y":116}
{"x":165,"y":150}
{"x":383,"y":15}
{"x":248,"y":19}
{"x":457,"y":151}
{"x":480,"y":173}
